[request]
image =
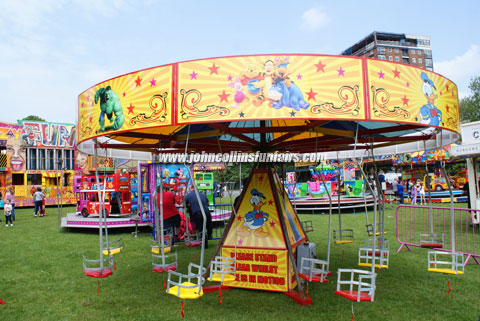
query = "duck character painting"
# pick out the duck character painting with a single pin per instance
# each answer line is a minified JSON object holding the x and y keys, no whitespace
{"x":429,"y":113}
{"x":256,"y":218}
{"x":109,"y":106}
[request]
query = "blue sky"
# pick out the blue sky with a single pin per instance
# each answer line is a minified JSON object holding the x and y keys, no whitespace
{"x":52,"y":50}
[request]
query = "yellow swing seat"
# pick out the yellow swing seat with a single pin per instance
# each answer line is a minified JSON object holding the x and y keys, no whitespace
{"x":217,"y":277}
{"x":112,"y":251}
{"x":156,"y":249}
{"x":186,"y":293}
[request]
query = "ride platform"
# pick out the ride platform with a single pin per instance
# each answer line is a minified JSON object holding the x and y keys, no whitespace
{"x":321,"y":204}
{"x":76,"y":220}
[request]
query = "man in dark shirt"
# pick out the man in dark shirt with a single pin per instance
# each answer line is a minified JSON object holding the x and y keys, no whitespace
{"x":195,"y":211}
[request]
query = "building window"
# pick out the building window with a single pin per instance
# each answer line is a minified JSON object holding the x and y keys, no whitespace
{"x":390,"y":58}
{"x":50,"y":159}
{"x":424,"y":42}
{"x":414,"y":60}
{"x":389,"y":49}
{"x":381,"y":57}
{"x":395,"y":50}
{"x":419,"y":52}
{"x":419,"y":60}
{"x":18,"y":179}
{"x":381,"y":50}
{"x":428,"y":62}
{"x":428,"y":54}
{"x":41,"y":159}
{"x":405,"y":60}
{"x":412,"y":51}
{"x":58,"y":157}
{"x":32,"y":159}
{"x":397,"y":59}
{"x":34,"y":179}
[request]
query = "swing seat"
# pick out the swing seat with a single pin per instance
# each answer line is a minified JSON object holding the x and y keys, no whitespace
{"x":380,"y":259}
{"x":354,"y":295}
{"x":188,"y":290}
{"x":217,"y":277}
{"x":193,"y":243}
{"x":96,"y":271}
{"x":163,"y":263}
{"x":314,"y":270}
{"x":432,"y":245}
{"x":185,"y":288}
{"x":307,"y":226}
{"x":114,"y":247}
{"x":454,"y":265}
{"x":345,"y":236}
{"x":382,"y":266}
{"x":156,"y":249}
{"x":359,"y":285}
{"x":161,"y":269}
{"x":222,"y":269}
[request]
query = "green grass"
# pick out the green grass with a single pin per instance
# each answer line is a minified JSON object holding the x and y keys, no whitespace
{"x":42,"y":279}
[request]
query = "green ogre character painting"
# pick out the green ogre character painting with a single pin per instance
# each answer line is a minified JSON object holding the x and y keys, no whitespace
{"x":109,"y":105}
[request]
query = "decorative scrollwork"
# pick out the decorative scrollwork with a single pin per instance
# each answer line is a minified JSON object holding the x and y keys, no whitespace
{"x":380,"y":98}
{"x":190,"y":100}
{"x":349,"y":95}
{"x":158,"y":105}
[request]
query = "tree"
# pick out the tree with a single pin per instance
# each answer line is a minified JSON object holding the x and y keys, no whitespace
{"x":470,"y":106}
{"x":33,"y":118}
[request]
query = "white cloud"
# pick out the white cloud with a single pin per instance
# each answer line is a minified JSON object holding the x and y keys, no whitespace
{"x":461,"y":69}
{"x":314,"y":18}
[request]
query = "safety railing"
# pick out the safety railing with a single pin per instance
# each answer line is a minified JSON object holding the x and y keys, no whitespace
{"x":424,"y":226}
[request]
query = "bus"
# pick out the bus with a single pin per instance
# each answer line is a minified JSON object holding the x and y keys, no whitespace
{"x":115,"y":187}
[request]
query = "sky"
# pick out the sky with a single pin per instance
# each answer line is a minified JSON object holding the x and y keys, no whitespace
{"x":52,"y":50}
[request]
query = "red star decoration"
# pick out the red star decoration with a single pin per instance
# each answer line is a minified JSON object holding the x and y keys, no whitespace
{"x":130,"y":108}
{"x":405,"y":100}
{"x":272,"y":224}
{"x":446,"y":86}
{"x":90,"y":118}
{"x":153,"y":82}
{"x":240,"y":242}
{"x":224,"y":97}
{"x":138,"y":81}
{"x":213,"y":69}
{"x":270,"y":202}
{"x":239,"y":218}
{"x":82,"y":104}
{"x":260,"y":178}
{"x":124,"y":94}
{"x":320,"y":66}
{"x":447,"y":108}
{"x":311,"y":94}
{"x":396,"y":73}
{"x":88,"y":98}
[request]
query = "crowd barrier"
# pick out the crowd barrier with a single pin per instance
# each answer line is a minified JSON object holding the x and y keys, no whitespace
{"x":424,"y":226}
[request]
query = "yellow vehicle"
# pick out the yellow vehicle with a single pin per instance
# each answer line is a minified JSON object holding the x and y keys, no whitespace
{"x":438,"y":183}
{"x":461,"y":178}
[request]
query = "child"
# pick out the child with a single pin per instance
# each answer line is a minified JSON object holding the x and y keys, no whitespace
{"x":38,"y":201}
{"x":400,"y":192}
{"x":8,"y":213}
{"x":414,"y":192}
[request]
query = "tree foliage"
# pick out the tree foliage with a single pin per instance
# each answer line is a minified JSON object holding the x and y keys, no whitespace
{"x":33,"y":118}
{"x":470,"y":106}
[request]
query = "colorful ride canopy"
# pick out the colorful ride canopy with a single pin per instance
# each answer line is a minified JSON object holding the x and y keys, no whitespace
{"x":297,"y":103}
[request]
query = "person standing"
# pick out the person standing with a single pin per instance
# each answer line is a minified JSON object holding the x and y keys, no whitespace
{"x":395,"y":188}
{"x":171,"y":217}
{"x":196,"y":212}
{"x":400,"y":192}
{"x":421,"y":192}
{"x":11,"y":196}
{"x":414,"y":193}
{"x":38,"y":201}
{"x":7,"y":207}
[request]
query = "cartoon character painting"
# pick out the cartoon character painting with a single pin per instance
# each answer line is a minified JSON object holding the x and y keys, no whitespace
{"x":255,"y":219}
{"x":16,"y":153}
{"x":429,"y":114}
{"x":109,"y":106}
{"x":239,"y":96}
{"x":287,"y":96}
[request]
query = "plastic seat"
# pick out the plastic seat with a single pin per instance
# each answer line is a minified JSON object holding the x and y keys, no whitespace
{"x":431,"y":240}
{"x":314,"y":270}
{"x":164,"y":263}
{"x":184,"y":288}
{"x":307,"y":226}
{"x":381,"y":255}
{"x":455,"y":264}
{"x":114,"y":247}
{"x":222,"y":269}
{"x":344,"y":236}
{"x":96,"y":271}
{"x":360,"y":285}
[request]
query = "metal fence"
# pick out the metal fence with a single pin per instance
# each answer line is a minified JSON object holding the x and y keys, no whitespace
{"x":429,"y":227}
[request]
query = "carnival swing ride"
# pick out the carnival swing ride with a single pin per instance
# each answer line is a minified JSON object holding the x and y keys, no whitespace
{"x":268,"y":104}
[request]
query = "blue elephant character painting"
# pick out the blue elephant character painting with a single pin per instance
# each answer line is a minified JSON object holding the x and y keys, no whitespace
{"x":254,"y":220}
{"x":109,"y":106}
{"x":429,"y":114}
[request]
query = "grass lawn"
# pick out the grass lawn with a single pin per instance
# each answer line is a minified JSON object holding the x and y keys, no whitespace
{"x":42,"y":279}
